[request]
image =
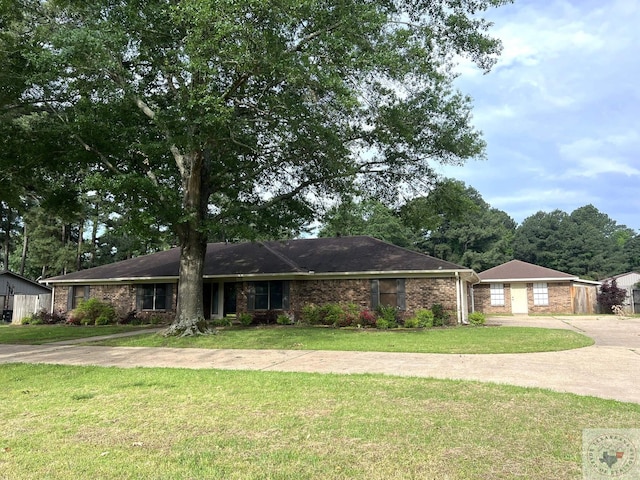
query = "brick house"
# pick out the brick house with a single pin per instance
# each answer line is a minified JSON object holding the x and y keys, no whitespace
{"x":518,"y":287}
{"x":280,"y":276}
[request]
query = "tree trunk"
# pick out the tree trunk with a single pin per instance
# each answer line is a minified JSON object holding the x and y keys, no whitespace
{"x":25,"y":246}
{"x":7,"y":240}
{"x":193,"y":248}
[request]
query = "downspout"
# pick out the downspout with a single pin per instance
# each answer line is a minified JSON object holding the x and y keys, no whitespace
{"x":53,"y":297}
{"x":458,"y":298}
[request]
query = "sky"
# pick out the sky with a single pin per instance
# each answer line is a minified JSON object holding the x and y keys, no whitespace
{"x":560,"y":110}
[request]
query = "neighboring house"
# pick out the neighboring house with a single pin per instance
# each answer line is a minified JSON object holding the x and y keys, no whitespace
{"x":281,"y":276}
{"x":518,"y":287}
{"x":20,"y":297}
{"x":630,"y":281}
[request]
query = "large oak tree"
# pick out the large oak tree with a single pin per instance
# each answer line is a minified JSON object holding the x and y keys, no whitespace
{"x":230,"y":118}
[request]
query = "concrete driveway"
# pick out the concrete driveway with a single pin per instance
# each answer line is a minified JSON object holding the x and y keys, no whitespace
{"x":609,"y":369}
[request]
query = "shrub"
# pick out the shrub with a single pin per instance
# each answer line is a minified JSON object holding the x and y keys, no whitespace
{"x":268,"y":316}
{"x":382,"y":323}
{"x":367,"y":318}
{"x":389,"y":314}
{"x":477,"y":318}
{"x":331,"y":314}
{"x":44,"y":317}
{"x":411,"y":322}
{"x":611,"y":295}
{"x":310,"y":314}
{"x":245,"y":319}
{"x":283,"y":320}
{"x":425,"y":318}
{"x":440,"y":315}
{"x":221,"y":322}
{"x":32,"y":319}
{"x":88,"y":312}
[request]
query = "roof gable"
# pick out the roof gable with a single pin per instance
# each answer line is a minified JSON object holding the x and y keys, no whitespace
{"x":20,"y":284}
{"x":519,"y":270}
{"x":341,"y":255}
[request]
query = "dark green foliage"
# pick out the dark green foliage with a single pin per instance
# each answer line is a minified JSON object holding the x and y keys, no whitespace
{"x":611,"y":295}
{"x":245,"y":319}
{"x":586,"y":243}
{"x":477,"y":318}
{"x":478,"y":237}
{"x":441,"y":316}
{"x":283,"y":320}
{"x":388,"y":316}
{"x":44,"y":317}
{"x":93,"y":312}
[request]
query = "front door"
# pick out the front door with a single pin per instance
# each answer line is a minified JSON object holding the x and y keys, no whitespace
{"x":519,"y":303}
{"x":230,"y":307}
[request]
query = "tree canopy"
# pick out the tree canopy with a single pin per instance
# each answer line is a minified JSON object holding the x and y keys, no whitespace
{"x":233,"y":119}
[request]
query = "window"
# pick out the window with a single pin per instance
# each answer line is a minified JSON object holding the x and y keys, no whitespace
{"x":271,"y":295}
{"x":154,"y":296}
{"x":77,"y":294}
{"x":540,"y":294}
{"x":388,"y":291}
{"x":497,"y":295}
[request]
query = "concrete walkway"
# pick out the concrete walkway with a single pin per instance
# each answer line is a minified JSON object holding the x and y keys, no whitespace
{"x":609,"y":369}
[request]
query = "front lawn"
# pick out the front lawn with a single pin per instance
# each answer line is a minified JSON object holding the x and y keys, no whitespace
{"x":437,"y":340}
{"x":61,"y":422}
{"x":39,"y":334}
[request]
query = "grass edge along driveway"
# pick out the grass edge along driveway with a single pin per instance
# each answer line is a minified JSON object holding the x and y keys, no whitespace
{"x":466,"y":339}
{"x":454,"y":340}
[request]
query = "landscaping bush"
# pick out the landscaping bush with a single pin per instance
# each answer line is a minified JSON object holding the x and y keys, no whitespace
{"x":389,"y":316}
{"x":44,"y":317}
{"x":411,"y":322}
{"x":366,"y":318}
{"x":310,"y":314}
{"x":93,"y":312}
{"x":221,"y":322}
{"x":440,"y":315}
{"x":245,"y":319}
{"x":477,"y":318}
{"x":425,"y":318}
{"x":267,"y":317}
{"x":283,"y":320}
{"x":611,"y":295}
{"x":331,"y":314}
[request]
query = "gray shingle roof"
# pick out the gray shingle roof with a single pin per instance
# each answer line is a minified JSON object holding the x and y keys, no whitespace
{"x":519,"y":270}
{"x":320,"y":255}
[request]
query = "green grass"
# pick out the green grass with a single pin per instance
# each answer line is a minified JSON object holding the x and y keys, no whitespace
{"x":39,"y":334}
{"x":447,"y":340}
{"x":63,"y":422}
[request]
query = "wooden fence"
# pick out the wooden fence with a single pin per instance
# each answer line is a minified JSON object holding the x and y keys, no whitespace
{"x":25,"y":305}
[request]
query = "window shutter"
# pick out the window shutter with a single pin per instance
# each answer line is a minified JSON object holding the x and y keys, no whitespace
{"x":375,"y":294}
{"x":401,"y":296}
{"x":87,"y":292}
{"x":139,"y":298}
{"x":70,"y":298}
{"x":251,"y":296}
{"x":285,"y":295}
{"x":169,"y":300}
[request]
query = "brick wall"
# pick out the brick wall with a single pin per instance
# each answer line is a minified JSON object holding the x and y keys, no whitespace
{"x":559,"y":299}
{"x":482,"y":299}
{"x":420,"y":293}
{"x":122,"y":297}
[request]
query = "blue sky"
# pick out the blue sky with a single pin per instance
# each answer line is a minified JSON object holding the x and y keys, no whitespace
{"x":560,"y":111}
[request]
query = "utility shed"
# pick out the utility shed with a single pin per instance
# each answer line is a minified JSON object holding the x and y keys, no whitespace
{"x":18,"y":293}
